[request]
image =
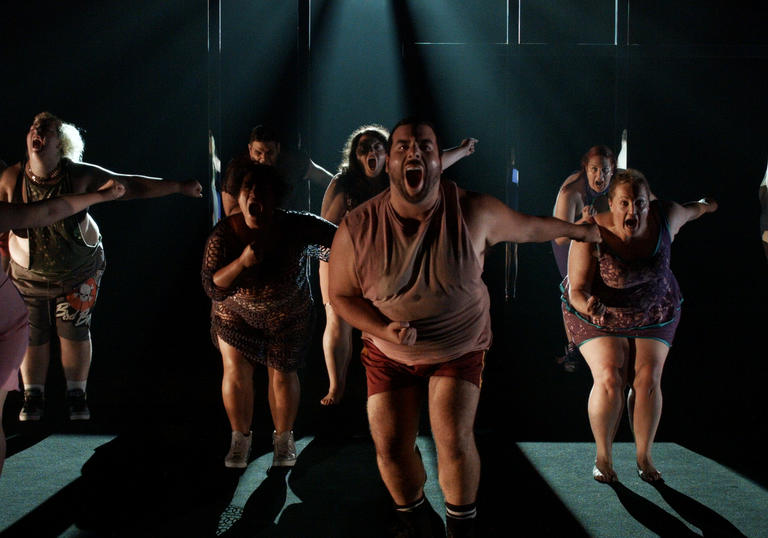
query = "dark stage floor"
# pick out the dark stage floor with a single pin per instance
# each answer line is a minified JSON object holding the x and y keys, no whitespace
{"x":172,"y":483}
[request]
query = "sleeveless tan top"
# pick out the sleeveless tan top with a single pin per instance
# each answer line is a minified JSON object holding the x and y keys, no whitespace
{"x":426,"y":273}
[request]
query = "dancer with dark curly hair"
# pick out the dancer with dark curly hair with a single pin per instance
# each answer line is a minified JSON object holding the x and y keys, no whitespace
{"x":255,"y":272}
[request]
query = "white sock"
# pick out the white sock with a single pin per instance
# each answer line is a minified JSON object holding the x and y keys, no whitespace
{"x":71,"y":385}
{"x":32,"y":386}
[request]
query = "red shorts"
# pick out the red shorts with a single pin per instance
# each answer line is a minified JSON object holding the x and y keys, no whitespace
{"x":384,"y":374}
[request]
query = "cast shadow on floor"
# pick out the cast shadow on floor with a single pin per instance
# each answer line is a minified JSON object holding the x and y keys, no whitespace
{"x":172,"y":482}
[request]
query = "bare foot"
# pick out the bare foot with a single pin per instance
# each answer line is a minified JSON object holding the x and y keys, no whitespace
{"x":603,"y":472}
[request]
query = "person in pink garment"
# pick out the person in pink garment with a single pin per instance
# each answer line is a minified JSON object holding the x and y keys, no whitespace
{"x":405,"y":269}
{"x":14,"y":319}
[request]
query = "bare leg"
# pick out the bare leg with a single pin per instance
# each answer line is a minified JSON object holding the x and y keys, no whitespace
{"x":237,"y":388}
{"x":394,"y":420}
{"x":452,"y":407}
{"x":626,"y":394}
{"x":34,"y":369}
{"x":284,"y":394}
{"x":3,"y":394}
{"x":606,"y":357}
{"x":76,"y":358}
{"x":649,"y":363}
{"x":337,"y":349}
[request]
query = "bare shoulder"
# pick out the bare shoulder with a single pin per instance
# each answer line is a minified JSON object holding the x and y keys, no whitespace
{"x":8,"y":181}
{"x":334,"y":187}
{"x":87,"y":176}
{"x":604,"y":219}
{"x":571,"y":186}
{"x":474,"y":202}
{"x":481,"y":210}
{"x":332,"y":207}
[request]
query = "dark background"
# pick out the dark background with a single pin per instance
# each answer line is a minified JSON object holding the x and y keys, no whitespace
{"x":146,"y":81}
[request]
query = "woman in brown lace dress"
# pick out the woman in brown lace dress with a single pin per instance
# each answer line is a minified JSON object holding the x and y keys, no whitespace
{"x":255,"y":272}
{"x":621,"y":305}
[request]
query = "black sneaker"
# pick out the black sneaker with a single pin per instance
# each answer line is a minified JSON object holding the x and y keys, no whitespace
{"x":34,"y":402}
{"x":76,"y":405}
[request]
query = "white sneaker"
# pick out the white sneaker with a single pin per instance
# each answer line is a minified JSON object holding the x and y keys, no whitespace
{"x":285,"y":449}
{"x":239,"y":450}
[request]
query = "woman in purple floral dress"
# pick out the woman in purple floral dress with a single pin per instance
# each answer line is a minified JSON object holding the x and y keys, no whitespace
{"x":621,"y":304}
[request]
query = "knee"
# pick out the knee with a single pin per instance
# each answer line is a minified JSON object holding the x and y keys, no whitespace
{"x":285,"y":380}
{"x":237,"y":372}
{"x":393,"y":451}
{"x":455,"y":445}
{"x":646,"y":381}
{"x":610,"y":380}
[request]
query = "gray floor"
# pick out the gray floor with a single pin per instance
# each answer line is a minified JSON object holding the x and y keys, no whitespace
{"x":29,"y":479}
{"x":698,"y":497}
{"x":90,"y":485}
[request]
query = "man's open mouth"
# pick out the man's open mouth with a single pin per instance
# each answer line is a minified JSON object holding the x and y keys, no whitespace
{"x":414,"y":176}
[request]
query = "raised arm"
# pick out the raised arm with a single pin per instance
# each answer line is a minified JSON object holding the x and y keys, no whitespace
{"x":680,"y":214}
{"x":47,"y":212}
{"x":347,"y":297}
{"x":566,"y":208}
{"x":333,"y":210}
{"x":229,"y":204}
{"x":452,"y":155}
{"x":317,"y":174}
{"x":230,"y":187}
{"x":136,"y":186}
{"x":333,"y":207}
{"x":491,"y":222}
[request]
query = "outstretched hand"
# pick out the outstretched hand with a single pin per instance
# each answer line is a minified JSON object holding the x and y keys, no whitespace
{"x":710,"y":204}
{"x":193,"y":189}
{"x":468,"y":145}
{"x":591,"y":232}
{"x":400,"y":332}
{"x":112,"y":190}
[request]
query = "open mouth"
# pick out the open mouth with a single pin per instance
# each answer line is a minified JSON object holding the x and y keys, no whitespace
{"x":253,"y":209}
{"x":37,"y":144}
{"x":631,"y":223}
{"x":414,"y":176}
{"x":372,"y":163}
{"x":599,"y":184}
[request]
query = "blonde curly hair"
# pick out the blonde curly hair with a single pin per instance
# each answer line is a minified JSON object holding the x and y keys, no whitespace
{"x":72,"y":143}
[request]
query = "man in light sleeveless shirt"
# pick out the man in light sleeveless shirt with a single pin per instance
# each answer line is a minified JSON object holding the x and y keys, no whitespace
{"x":58,"y":268}
{"x":405,"y":269}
